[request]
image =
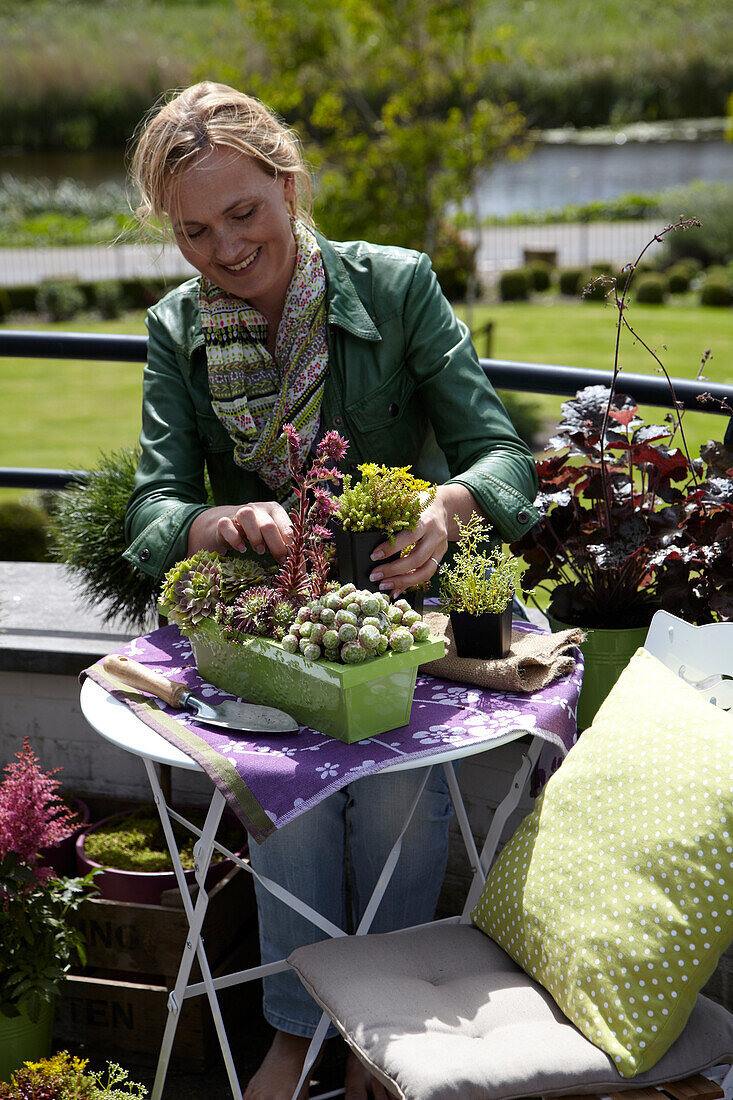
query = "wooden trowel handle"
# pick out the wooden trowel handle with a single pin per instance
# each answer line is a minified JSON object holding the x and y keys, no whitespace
{"x":138,"y":676}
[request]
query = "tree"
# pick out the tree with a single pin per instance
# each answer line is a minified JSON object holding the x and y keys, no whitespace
{"x":388,"y":96}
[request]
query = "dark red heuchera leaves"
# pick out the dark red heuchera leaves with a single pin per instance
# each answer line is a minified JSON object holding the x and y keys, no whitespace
{"x":634,"y":525}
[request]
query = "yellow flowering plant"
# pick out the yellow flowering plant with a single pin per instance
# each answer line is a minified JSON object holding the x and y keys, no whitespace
{"x":387,"y":498}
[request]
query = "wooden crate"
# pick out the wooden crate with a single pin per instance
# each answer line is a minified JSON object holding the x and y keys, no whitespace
{"x":117,"y":1003}
{"x":115,"y":1018}
{"x":148,"y":940}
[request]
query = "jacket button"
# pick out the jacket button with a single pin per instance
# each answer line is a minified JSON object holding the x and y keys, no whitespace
{"x":145,"y":555}
{"x":393,"y":409}
{"x":208,"y":440}
{"x":522,"y":517}
{"x":338,"y":421}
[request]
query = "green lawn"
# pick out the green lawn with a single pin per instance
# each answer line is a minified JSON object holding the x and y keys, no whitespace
{"x":582,"y":334}
{"x":62,"y":414}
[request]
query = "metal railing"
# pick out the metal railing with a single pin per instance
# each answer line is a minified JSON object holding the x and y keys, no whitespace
{"x":504,"y":374}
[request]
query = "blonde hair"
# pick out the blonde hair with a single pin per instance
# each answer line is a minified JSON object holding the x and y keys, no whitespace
{"x":195,"y":121}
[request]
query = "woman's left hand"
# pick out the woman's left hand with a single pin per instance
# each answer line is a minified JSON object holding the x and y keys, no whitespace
{"x":428,"y":539}
{"x":429,"y":542}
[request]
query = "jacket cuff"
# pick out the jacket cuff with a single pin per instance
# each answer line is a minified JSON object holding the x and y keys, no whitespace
{"x":164,"y":541}
{"x":508,"y":510}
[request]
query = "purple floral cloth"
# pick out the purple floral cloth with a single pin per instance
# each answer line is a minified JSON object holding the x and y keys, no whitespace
{"x":270,"y":780}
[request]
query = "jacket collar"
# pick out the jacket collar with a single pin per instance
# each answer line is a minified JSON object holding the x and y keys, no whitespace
{"x":345,"y":307}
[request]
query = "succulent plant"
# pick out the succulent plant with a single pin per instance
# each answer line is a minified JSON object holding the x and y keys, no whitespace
{"x":192,"y":589}
{"x":262,"y":610}
{"x":479,"y":581}
{"x":351,"y":626}
{"x":238,"y":574}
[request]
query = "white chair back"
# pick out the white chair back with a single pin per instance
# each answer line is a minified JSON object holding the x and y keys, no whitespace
{"x":699,"y":655}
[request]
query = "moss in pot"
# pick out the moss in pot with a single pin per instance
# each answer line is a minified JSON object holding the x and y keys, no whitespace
{"x":131,"y":857}
{"x":477,"y":592}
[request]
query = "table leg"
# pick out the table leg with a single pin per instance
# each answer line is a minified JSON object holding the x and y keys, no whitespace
{"x":502,"y":813}
{"x":194,"y":945}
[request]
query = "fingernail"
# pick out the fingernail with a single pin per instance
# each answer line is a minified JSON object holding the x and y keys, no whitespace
{"x":375,"y":577}
{"x":385,"y":586}
{"x":377,"y":555}
{"x":259,"y":549}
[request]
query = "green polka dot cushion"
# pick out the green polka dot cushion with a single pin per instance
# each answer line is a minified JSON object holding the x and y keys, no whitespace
{"x":615,"y":892}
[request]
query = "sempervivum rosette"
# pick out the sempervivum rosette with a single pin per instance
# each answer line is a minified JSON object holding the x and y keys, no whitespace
{"x":192,"y":589}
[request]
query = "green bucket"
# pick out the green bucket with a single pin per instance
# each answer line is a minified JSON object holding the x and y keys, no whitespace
{"x":347,"y":702}
{"x":606,"y":654}
{"x":21,"y":1040}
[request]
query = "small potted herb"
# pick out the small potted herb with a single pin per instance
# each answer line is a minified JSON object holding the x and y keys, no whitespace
{"x":387,"y":500}
{"x":39,"y":943}
{"x":477,"y":591}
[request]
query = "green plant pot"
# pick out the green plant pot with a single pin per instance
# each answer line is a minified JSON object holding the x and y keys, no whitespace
{"x":23,"y":1041}
{"x":347,"y":702}
{"x":606,"y":654}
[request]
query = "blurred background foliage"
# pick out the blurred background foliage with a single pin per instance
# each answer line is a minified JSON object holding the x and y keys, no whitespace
{"x":77,"y":74}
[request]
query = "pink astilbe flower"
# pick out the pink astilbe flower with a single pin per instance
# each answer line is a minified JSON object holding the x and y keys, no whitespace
{"x":32,"y":815}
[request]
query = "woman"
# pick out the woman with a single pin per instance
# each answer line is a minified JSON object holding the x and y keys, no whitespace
{"x":285,"y":326}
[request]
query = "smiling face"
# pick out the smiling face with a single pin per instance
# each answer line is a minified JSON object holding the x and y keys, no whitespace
{"x":231,"y":221}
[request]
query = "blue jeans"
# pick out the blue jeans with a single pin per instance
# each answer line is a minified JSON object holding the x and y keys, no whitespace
{"x":355,"y":827}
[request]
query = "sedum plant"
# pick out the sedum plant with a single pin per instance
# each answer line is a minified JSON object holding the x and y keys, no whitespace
{"x":479,"y":581}
{"x":67,"y":1077}
{"x":387,"y":498}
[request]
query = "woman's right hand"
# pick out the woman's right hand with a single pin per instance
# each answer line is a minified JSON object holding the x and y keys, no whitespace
{"x":263,"y":525}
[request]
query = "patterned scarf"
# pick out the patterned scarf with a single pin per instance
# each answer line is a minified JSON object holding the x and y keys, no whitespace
{"x":254,"y":394}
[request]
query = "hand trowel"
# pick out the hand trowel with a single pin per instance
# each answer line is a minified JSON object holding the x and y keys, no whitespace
{"x":231,"y":714}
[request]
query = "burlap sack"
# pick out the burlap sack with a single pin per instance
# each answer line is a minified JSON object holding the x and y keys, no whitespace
{"x":534,"y":660}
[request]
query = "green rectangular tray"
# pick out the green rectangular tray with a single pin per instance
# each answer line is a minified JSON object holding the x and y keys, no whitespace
{"x":348,"y":702}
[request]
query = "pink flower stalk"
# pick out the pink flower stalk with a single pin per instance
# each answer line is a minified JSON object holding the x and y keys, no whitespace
{"x":294,"y":443}
{"x":314,"y":508}
{"x":324,"y":505}
{"x":32,"y":815}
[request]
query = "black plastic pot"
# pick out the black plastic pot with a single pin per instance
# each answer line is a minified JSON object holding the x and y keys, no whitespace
{"x":354,"y":549}
{"x":487,"y":636}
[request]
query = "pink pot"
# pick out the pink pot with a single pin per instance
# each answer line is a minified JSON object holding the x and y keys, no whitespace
{"x":141,"y":887}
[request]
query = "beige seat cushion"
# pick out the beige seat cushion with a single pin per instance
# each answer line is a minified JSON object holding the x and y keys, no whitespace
{"x":442,"y":1013}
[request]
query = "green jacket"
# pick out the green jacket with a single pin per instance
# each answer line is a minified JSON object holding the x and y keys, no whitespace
{"x":404,"y":387}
